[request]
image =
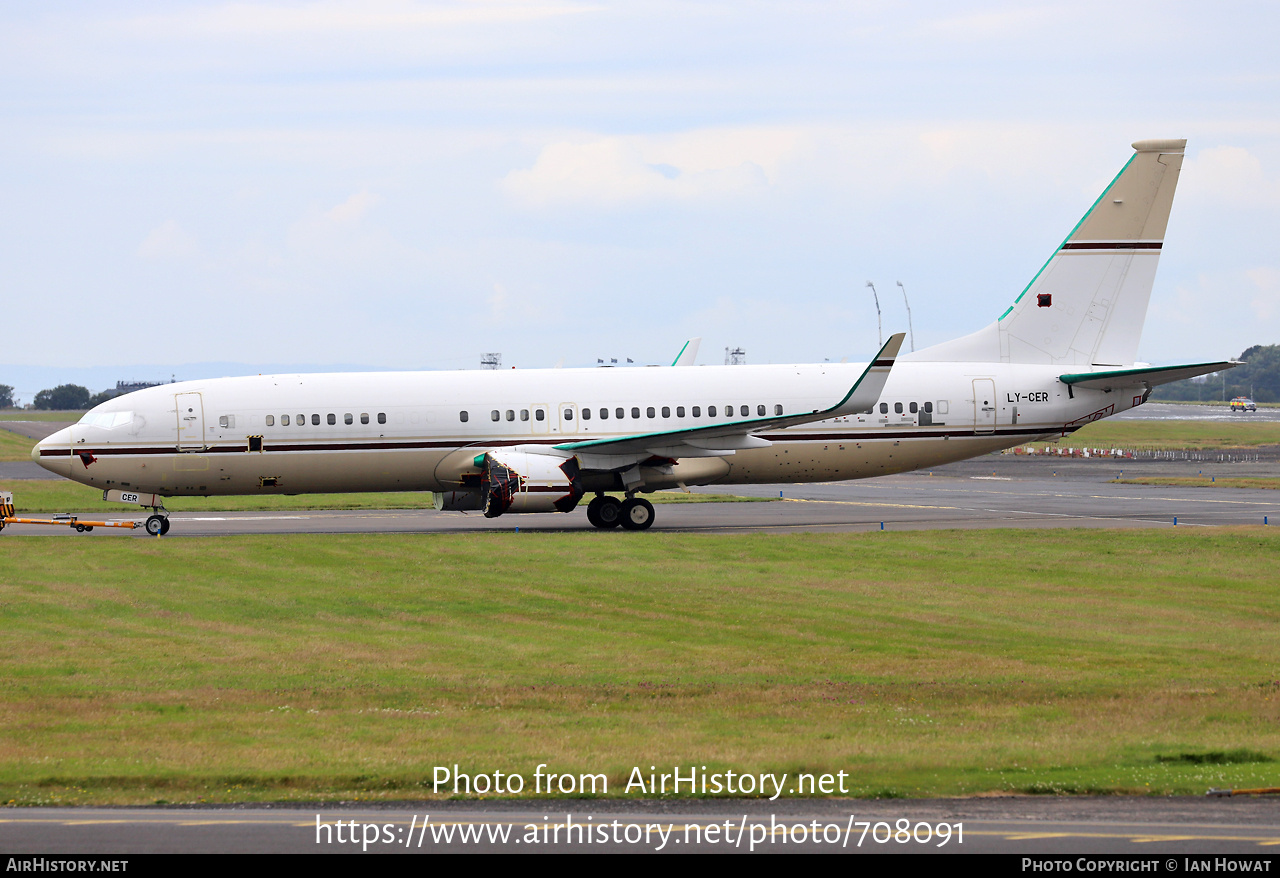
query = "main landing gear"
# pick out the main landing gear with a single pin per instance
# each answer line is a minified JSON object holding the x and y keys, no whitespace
{"x":634,"y":513}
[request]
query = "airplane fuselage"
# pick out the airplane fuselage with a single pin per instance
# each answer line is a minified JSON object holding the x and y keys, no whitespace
{"x":418,"y":431}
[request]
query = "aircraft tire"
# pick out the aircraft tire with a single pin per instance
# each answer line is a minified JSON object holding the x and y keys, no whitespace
{"x":593,"y":511}
{"x":637,"y":514}
{"x":155,"y":525}
{"x":164,"y":528}
{"x":607,"y":515}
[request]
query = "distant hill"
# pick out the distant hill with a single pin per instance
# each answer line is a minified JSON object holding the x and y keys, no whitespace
{"x":1258,"y":378}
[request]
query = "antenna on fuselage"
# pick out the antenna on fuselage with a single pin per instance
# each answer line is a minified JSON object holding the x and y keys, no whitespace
{"x":879,"y":325}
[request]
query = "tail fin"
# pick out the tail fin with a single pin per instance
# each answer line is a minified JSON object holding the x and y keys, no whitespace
{"x":1086,"y":306}
{"x":689,"y":353}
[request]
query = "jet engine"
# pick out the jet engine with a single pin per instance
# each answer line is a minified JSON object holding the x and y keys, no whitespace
{"x":518,"y":481}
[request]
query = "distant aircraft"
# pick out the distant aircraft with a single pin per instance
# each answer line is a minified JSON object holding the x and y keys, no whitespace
{"x":1061,"y":356}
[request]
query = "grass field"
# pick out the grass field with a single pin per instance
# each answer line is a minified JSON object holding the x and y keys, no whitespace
{"x":1193,"y":435}
{"x":69,"y":417}
{"x":45,"y":495}
{"x":1205,"y":482}
{"x":926,"y":663}
{"x":15,"y":447}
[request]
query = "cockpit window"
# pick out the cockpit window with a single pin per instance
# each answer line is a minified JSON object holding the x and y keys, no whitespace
{"x":107,"y":420}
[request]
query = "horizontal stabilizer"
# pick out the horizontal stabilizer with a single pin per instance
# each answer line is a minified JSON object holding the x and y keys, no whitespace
{"x":1151,"y":376}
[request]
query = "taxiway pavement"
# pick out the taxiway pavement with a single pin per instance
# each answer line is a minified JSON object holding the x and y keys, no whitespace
{"x":1043,"y":826}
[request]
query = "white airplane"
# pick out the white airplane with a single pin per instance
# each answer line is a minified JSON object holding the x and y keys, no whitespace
{"x":1061,"y":356}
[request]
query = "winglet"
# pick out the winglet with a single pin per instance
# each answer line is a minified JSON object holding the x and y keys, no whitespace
{"x":688,"y":354}
{"x":866,"y":391}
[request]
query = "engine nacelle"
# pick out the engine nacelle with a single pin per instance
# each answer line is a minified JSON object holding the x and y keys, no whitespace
{"x":517,"y":481}
{"x":458,"y":501}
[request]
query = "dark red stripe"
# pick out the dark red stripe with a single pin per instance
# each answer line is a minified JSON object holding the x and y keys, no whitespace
{"x":865,"y":436}
{"x":1113,"y":245}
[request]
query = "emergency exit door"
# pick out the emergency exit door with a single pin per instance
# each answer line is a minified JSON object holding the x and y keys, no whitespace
{"x":984,"y":405}
{"x":190,"y":421}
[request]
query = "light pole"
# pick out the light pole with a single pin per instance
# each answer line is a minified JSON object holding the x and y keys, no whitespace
{"x":909,"y":329}
{"x":879,"y":326}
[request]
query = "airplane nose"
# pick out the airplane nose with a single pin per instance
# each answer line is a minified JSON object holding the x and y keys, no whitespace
{"x":53,"y":452}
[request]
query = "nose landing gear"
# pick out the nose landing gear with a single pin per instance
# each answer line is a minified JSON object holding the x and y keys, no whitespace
{"x":157,"y":525}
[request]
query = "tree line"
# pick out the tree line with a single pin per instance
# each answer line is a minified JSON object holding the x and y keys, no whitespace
{"x":64,"y":397}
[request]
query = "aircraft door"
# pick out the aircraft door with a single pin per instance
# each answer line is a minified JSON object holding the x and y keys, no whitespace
{"x":190,"y":421}
{"x":984,"y":405}
{"x":568,"y":413}
{"x":541,"y":422}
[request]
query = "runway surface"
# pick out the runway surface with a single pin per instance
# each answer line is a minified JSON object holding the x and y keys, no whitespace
{"x":1113,"y":825}
{"x":1166,"y":411}
{"x":34,"y":429}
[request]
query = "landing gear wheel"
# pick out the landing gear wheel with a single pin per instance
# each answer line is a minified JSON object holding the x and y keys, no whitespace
{"x":637,"y":514}
{"x":593,"y":511}
{"x":164,"y":528}
{"x":604,"y":512}
{"x":608,"y":513}
{"x":156,"y":525}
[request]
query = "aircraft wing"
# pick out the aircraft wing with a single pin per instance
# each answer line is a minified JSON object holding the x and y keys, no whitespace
{"x":719,"y":440}
{"x":1151,"y":376}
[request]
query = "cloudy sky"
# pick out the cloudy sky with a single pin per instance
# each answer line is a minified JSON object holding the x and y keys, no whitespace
{"x":402,"y":184}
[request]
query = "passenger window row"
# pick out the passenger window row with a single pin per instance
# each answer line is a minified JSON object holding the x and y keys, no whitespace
{"x":912,"y":407}
{"x":331,"y":418}
{"x":620,"y":413}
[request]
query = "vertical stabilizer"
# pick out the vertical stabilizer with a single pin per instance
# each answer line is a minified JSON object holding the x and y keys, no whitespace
{"x":1086,"y":306}
{"x":689,"y":353}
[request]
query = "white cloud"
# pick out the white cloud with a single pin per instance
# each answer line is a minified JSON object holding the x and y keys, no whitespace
{"x":1247,"y":305}
{"x":168,"y":241}
{"x":1266,"y":301}
{"x":1001,"y":24}
{"x":344,"y":17}
{"x":351,"y":210}
{"x":524,"y":309}
{"x":1232,"y":175}
{"x":617,"y":171}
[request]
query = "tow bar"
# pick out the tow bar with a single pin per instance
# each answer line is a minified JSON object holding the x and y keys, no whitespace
{"x":8,"y":516}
